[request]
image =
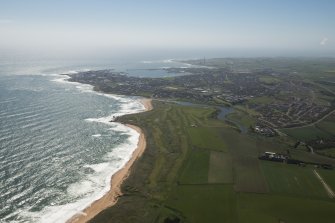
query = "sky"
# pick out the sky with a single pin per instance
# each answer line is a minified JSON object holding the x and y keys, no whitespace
{"x":227,"y":27}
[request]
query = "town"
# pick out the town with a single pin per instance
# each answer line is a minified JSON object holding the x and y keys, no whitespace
{"x":279,"y":100}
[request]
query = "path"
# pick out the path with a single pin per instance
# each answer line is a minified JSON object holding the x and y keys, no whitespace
{"x":330,"y":192}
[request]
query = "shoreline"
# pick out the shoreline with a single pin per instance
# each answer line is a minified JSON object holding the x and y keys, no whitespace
{"x":111,"y":197}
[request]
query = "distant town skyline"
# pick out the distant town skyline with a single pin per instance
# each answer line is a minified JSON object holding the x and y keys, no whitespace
{"x":269,"y":27}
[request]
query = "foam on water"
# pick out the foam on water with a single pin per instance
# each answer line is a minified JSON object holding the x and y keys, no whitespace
{"x":96,"y":182}
{"x":96,"y":135}
{"x":147,"y":62}
{"x":94,"y":186}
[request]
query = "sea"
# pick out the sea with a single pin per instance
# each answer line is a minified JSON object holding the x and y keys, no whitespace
{"x":58,"y":148}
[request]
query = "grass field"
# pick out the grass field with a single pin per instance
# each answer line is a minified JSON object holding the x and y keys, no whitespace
{"x":205,"y":203}
{"x":328,"y":125}
{"x":328,"y":152}
{"x":329,"y":177}
{"x":306,"y":133}
{"x":269,"y":80}
{"x":211,"y":173}
{"x":292,"y":180}
{"x":285,"y":209}
{"x":248,"y":176}
{"x":220,"y":168}
{"x":323,"y":129}
{"x":207,"y":138}
{"x":310,"y":157}
{"x":242,"y":117}
{"x":196,"y":170}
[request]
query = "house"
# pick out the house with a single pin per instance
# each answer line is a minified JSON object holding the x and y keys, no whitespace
{"x":271,"y":156}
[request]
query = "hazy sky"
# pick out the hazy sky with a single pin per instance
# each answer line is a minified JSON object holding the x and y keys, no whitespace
{"x":293,"y":26}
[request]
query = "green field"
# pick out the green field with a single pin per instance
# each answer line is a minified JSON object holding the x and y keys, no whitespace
{"x":292,"y":180}
{"x":328,"y":125}
{"x":242,"y":117}
{"x":287,"y":209}
{"x":205,"y":203}
{"x":329,"y":177}
{"x":196,"y":169}
{"x":200,"y":169}
{"x":207,"y":138}
{"x":220,"y":168}
{"x":306,"y":133}
{"x":269,"y":80}
{"x":309,"y":157}
{"x":328,"y":152}
{"x":323,"y":129}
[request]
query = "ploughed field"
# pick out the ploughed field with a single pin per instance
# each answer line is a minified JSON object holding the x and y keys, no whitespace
{"x":200,"y":169}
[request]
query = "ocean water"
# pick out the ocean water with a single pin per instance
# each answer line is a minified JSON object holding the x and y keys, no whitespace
{"x":135,"y":67}
{"x":58,"y":148}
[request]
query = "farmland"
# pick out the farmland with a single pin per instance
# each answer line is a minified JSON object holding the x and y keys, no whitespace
{"x":200,"y":169}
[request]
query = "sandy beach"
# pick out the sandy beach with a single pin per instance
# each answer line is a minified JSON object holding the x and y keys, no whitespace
{"x":147,"y":103}
{"x":117,"y":179}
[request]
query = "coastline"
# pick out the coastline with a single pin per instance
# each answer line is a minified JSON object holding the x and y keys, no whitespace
{"x":111,"y":197}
